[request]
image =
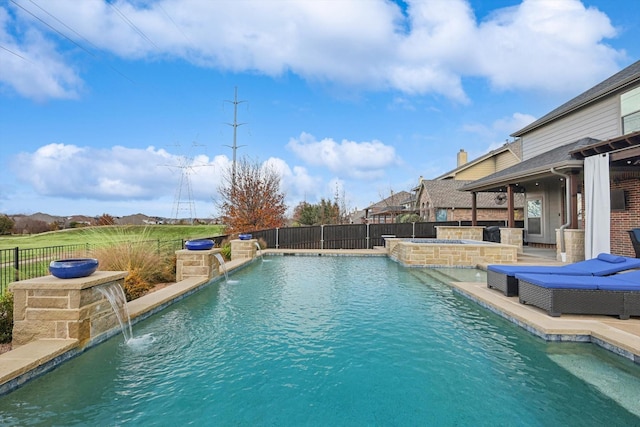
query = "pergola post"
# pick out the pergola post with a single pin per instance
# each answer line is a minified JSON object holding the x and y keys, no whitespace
{"x":573,"y":205}
{"x":474,"y":208}
{"x":510,"y":208}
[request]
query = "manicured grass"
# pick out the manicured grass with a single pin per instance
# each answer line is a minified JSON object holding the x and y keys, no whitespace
{"x":109,"y":234}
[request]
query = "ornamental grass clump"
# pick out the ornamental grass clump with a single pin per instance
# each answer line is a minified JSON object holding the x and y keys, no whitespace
{"x":141,"y":257}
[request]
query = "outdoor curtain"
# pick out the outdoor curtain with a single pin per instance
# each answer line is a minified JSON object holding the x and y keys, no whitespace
{"x":597,"y":205}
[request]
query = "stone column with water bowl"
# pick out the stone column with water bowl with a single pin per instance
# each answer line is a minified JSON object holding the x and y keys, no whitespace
{"x":52,"y":308}
{"x":204,"y":263}
{"x":244,"y":248}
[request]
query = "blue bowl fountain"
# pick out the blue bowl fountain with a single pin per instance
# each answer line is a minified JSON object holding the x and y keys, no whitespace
{"x":199,"y":244}
{"x":245,"y":237}
{"x":73,"y":267}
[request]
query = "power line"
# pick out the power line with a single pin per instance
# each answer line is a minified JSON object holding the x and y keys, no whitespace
{"x":131,"y":24}
{"x":16,"y":54}
{"x":64,"y":35}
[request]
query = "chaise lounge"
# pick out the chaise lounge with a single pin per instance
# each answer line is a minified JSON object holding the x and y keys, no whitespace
{"x":634,"y":234}
{"x":503,"y":277}
{"x":617,"y":295}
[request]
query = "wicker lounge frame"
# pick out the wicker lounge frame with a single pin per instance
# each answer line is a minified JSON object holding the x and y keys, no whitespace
{"x":583,"y":295}
{"x":504,"y":277}
{"x":505,"y":283}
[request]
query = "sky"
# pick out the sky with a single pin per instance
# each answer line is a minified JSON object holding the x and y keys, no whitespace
{"x":122,"y":107}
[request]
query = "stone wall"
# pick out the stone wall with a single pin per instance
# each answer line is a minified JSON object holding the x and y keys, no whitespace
{"x":241,"y":249}
{"x":454,"y":255}
{"x":197,"y":263}
{"x":512,"y":236}
{"x":48,"y":307}
{"x":459,"y":233}
{"x":574,"y":245}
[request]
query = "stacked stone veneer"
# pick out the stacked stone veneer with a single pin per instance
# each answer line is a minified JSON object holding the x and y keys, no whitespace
{"x":459,"y":233}
{"x":198,"y":263}
{"x":574,"y":245}
{"x":241,"y":249}
{"x":450,"y":254}
{"x":512,"y":236}
{"x":48,"y":307}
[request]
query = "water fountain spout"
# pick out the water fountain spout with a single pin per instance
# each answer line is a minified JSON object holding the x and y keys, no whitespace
{"x":259,"y":250}
{"x":114,"y":293}
{"x":222,"y":264}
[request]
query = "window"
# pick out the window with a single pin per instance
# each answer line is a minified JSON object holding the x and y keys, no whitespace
{"x":441,"y":215}
{"x":630,"y":111}
{"x":534,"y":216}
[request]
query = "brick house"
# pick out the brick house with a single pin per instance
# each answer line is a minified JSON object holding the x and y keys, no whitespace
{"x":603,"y":121}
{"x":442,"y":200}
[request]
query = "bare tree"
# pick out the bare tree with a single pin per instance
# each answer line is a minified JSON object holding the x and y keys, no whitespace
{"x":251,"y":198}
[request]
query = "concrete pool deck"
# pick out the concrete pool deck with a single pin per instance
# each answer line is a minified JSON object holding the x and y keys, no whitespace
{"x":619,"y":336}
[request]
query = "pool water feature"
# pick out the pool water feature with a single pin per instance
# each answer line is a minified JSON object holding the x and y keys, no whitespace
{"x":323,"y":341}
{"x":220,"y":259}
{"x":114,"y":293}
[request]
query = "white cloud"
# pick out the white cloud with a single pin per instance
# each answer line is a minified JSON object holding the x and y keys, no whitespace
{"x":502,"y":127}
{"x":517,"y":121}
{"x":368,"y":45}
{"x":545,"y":44}
{"x":360,"y":160}
{"x":59,"y":170}
{"x":31,"y":66}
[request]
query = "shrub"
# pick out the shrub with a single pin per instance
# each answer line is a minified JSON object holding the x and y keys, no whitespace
{"x":225,"y":250}
{"x":6,"y":317}
{"x":135,"y":286}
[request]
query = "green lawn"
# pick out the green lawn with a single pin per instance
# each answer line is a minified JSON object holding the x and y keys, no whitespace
{"x":110,"y":234}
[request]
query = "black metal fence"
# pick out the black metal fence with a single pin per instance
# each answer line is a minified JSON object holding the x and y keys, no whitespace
{"x":21,"y":264}
{"x":355,"y":236}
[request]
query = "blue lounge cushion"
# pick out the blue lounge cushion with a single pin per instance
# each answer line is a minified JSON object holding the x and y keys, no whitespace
{"x":611,"y":258}
{"x":590,"y":267}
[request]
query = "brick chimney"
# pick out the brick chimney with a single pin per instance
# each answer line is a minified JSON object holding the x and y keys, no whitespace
{"x":462,"y":157}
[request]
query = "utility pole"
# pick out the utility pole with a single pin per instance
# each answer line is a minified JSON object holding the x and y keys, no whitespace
{"x":235,"y":125}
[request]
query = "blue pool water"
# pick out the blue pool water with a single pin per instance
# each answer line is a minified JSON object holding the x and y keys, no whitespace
{"x":328,"y":341}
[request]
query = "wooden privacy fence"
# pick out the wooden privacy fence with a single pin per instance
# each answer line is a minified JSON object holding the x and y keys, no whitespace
{"x":355,"y":236}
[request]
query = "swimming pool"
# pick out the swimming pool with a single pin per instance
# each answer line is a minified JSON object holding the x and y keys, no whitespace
{"x":327,"y":341}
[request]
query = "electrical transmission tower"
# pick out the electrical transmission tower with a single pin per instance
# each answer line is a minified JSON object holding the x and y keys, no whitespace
{"x":235,"y":126}
{"x":183,"y":190}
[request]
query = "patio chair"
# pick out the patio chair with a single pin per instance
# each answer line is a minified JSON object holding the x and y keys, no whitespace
{"x":503,"y":277}
{"x":616,"y":295}
{"x":634,"y":234}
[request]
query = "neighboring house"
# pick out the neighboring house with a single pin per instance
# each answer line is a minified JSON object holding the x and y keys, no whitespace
{"x":442,"y":200}
{"x":603,"y":119}
{"x":495,"y":160}
{"x":388,"y":210}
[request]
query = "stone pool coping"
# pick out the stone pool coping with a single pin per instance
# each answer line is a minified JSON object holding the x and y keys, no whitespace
{"x":619,"y":336}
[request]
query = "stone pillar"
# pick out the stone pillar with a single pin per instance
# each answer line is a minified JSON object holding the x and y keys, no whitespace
{"x":512,"y":236}
{"x":243,"y":248}
{"x":459,"y":233}
{"x":198,"y":263}
{"x":574,"y":245}
{"x":52,"y":308}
